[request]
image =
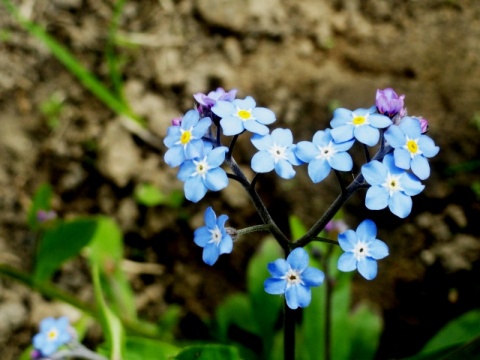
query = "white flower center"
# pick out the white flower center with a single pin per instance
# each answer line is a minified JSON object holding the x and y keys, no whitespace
{"x":293,"y":278}
{"x":216,"y":236}
{"x":361,"y":250}
{"x":201,"y":167}
{"x":392,"y":184}
{"x":277,"y":152}
{"x":326,"y":152}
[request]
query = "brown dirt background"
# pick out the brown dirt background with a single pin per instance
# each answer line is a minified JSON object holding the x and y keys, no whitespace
{"x":298,"y":58}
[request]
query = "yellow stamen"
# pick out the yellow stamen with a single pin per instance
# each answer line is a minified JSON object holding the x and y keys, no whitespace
{"x":358,"y":120}
{"x":244,"y":114}
{"x":185,"y":137}
{"x":412,"y":146}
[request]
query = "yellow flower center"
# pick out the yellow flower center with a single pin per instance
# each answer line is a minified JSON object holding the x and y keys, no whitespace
{"x":358,"y":120}
{"x":185,"y":137}
{"x":244,"y":114}
{"x":52,"y":334}
{"x":412,"y":146}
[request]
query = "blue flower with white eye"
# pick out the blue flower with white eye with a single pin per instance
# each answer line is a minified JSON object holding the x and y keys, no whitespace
{"x":323,"y":154}
{"x":390,"y":186}
{"x":294,"y":278}
{"x":362,"y":250}
{"x":53,"y":334}
{"x":361,"y":124}
{"x":204,"y":173}
{"x":185,"y":141}
{"x":411,"y":147}
{"x":213,"y":237}
{"x":276,"y":152}
{"x":239,"y":115}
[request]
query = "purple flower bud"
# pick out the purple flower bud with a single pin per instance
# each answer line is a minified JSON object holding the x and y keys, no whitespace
{"x":177,"y":121}
{"x":213,"y":96}
{"x":388,"y":102}
{"x":423,"y":124}
{"x":44,"y":216}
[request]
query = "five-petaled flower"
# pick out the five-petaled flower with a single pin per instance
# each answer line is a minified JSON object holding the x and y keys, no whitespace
{"x":390,"y":186}
{"x":388,"y":102}
{"x":53,"y":334}
{"x":411,"y":147}
{"x":204,"y":173}
{"x":323,"y":154}
{"x":276,"y":152}
{"x":362,"y":250}
{"x":362,"y":124}
{"x":294,"y":278}
{"x":240,"y":115}
{"x":213,"y":237}
{"x":185,"y":141}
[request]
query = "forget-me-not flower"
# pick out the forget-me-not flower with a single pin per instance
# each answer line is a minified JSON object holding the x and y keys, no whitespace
{"x":323,"y":154}
{"x":276,"y":152}
{"x":294,"y":278}
{"x":388,"y":102}
{"x":53,"y":334}
{"x":390,"y":186}
{"x":362,"y":250}
{"x":240,"y":115}
{"x":411,"y":147}
{"x":204,"y":173}
{"x":362,"y":124}
{"x":185,"y":141}
{"x":213,"y":237}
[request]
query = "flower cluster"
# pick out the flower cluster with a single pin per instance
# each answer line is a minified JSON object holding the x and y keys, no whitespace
{"x":393,"y":175}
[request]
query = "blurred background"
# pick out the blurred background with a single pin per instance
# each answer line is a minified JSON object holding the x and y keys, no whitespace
{"x":301,"y":59}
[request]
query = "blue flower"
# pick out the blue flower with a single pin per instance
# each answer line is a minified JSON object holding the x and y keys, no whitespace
{"x":294,"y":278}
{"x":362,"y":124}
{"x":411,"y":147}
{"x":362,"y":250}
{"x":390,"y":186}
{"x":204,"y":173}
{"x":213,"y":238}
{"x":240,"y":115}
{"x":323,"y":154}
{"x":276,"y":152}
{"x":185,"y":141}
{"x":53,"y":334}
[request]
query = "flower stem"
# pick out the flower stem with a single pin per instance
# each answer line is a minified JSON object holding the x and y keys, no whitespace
{"x":254,"y":228}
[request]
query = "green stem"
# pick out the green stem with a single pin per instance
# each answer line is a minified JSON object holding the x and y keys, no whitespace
{"x":254,"y":228}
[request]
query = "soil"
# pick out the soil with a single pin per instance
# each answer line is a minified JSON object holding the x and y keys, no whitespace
{"x":299,"y":58}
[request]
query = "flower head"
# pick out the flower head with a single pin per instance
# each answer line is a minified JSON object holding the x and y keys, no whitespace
{"x":204,"y":173}
{"x":390,"y":186}
{"x":276,"y":152}
{"x":362,"y":124}
{"x":185,"y":141}
{"x":294,"y":278}
{"x":53,"y":334}
{"x":323,"y":154}
{"x":388,"y":102}
{"x":411,"y":147}
{"x":212,"y":97}
{"x":362,"y":250}
{"x":213,"y":237}
{"x":240,"y":115}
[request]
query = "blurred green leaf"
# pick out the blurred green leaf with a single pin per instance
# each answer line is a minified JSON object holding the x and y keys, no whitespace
{"x":297,"y":228}
{"x":61,"y":243}
{"x":235,"y":310}
{"x":365,"y":327}
{"x":41,"y":201}
{"x":143,"y":349}
{"x":149,"y":195}
{"x":208,"y":352}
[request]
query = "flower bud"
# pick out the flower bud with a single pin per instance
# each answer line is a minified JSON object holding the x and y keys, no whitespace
{"x":388,"y":102}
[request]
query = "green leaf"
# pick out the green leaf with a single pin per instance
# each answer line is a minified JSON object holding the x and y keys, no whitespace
{"x":41,"y":201}
{"x":297,"y":228}
{"x":61,"y":243}
{"x":365,"y":327}
{"x":209,"y":352}
{"x":235,"y":310}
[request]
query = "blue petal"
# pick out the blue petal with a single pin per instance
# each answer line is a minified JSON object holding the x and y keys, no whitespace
{"x":231,"y":125}
{"x":222,"y":219}
{"x":291,"y":157}
{"x":174,"y":156}
{"x":395,"y":137}
{"x":342,"y":133}
{"x":246,"y":104}
{"x":312,"y":277}
{"x":216,"y":157}
{"x":262,"y":162}
{"x":223,"y":108}
{"x":420,"y":167}
{"x":255,"y":127}
{"x":427,"y":146}
{"x":340,"y":117}
{"x":275,"y":286}
{"x":367,"y":230}
{"x":376,"y":198}
{"x":226,"y":245}
{"x":190,"y":119}
{"x":318,"y":169}
{"x":367,"y":267}
{"x":379,"y":121}
{"x":402,"y":158}
{"x":210,"y":254}
{"x":194,"y":189}
{"x":344,"y":146}
{"x":298,"y":296}
{"x":194,"y":149}
{"x":374,"y":172}
{"x":216,"y":179}
{"x":210,"y":218}
{"x":298,"y":259}
{"x":347,"y":262}
{"x":173,"y":136}
{"x":378,"y":249}
{"x":201,"y":128}
{"x":264,"y":115}
{"x":202,"y":236}
{"x":282,"y":137}
{"x":284,"y":169}
{"x":341,"y":161}
{"x":411,"y":127}
{"x":262,"y":142}
{"x":400,"y":204}
{"x":411,"y":185}
{"x":278,"y":268}
{"x":348,"y":240}
{"x":322,"y":138}
{"x":186,"y":170}
{"x":306,"y":151}
{"x":367,"y":135}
